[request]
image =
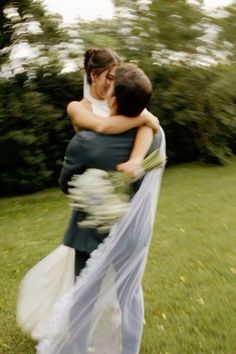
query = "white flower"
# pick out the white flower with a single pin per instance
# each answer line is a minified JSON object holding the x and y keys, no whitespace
{"x":104,"y":196}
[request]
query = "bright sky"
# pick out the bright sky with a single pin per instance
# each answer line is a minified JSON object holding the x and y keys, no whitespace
{"x":91,"y":9}
{"x":86,"y":9}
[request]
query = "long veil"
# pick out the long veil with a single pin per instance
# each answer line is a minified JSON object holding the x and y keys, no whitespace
{"x":103,"y":312}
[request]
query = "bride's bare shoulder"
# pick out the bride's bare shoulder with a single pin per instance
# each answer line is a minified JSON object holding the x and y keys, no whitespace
{"x":86,"y":103}
{"x":77,"y":105}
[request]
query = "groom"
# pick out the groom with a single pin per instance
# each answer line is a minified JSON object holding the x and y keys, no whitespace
{"x":128,"y":96}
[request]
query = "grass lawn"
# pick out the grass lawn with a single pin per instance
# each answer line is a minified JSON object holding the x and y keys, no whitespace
{"x":190,"y":279}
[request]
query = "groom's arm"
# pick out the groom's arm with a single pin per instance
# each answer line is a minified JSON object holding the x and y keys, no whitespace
{"x":74,"y":161}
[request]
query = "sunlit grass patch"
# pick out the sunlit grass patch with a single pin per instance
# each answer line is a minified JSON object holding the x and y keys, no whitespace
{"x":190,"y":279}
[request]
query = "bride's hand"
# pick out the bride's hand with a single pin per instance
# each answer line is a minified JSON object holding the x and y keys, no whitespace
{"x":131,"y":168}
{"x":151,"y":121}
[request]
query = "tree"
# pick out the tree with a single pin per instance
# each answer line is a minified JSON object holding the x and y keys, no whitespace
{"x":29,"y":37}
{"x":34,"y":129}
{"x":227,"y":31}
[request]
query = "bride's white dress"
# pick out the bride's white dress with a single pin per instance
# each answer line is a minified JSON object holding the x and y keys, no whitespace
{"x":102,"y":312}
{"x":42,"y":286}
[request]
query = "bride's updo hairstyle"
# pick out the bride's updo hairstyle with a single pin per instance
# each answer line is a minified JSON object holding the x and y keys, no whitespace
{"x":98,"y":61}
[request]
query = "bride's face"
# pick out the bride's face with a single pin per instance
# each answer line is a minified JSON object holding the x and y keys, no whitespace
{"x":111,"y":100}
{"x":101,"y":83}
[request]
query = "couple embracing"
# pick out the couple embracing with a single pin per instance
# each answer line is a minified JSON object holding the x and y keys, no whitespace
{"x":103,"y":311}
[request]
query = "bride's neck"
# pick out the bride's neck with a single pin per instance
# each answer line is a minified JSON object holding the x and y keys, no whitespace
{"x":94,"y":94}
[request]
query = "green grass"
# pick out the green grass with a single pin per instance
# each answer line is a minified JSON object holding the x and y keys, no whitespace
{"x":190,"y":279}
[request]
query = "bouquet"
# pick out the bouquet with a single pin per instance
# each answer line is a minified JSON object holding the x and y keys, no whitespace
{"x":104,"y":195}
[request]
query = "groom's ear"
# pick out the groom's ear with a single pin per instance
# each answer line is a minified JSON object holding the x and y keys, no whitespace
{"x":113,"y":103}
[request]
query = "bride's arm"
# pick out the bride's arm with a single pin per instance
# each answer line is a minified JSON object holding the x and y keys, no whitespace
{"x":142,"y":143}
{"x":141,"y":146}
{"x":82,"y":117}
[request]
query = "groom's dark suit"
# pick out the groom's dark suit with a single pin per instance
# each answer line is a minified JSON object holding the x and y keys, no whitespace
{"x":91,"y":150}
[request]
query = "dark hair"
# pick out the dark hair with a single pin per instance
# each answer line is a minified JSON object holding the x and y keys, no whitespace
{"x":99,"y":60}
{"x":132,"y":89}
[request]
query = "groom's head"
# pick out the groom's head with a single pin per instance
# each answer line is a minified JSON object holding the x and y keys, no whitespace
{"x":130,"y":92}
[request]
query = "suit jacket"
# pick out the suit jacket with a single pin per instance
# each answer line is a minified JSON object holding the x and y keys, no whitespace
{"x":88,"y":149}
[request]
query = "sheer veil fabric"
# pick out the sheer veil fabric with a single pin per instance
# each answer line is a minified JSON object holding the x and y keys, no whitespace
{"x":103,"y":312}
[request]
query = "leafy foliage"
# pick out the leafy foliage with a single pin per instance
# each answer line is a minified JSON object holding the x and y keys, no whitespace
{"x":34,"y":131}
{"x":196,"y":108}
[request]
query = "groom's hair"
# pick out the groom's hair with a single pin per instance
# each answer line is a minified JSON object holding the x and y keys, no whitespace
{"x":132,"y":89}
